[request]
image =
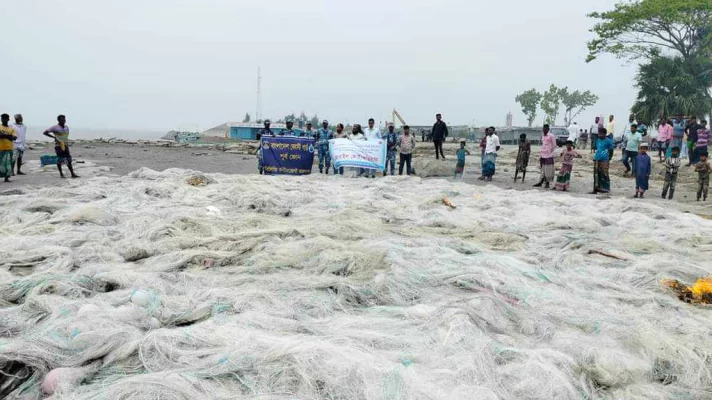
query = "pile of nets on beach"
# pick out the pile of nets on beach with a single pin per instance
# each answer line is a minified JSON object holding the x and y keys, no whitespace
{"x":176,"y":285}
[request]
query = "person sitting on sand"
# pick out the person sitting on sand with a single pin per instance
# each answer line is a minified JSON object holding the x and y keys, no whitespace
{"x":7,"y":147}
{"x":60,"y":134}
{"x":567,"y":165}
{"x":525,"y":149}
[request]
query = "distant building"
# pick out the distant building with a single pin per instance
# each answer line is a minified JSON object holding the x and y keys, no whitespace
{"x":508,"y":124}
{"x":243,"y":130}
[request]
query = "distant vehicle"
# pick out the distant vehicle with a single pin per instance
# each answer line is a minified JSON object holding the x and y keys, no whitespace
{"x":561,"y":134}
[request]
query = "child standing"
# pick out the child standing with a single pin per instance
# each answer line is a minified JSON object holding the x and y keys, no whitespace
{"x":703,"y":168}
{"x":567,"y":165}
{"x":643,"y":168}
{"x":483,"y":146}
{"x":461,"y":152}
{"x":672,"y":164}
{"x":525,"y":148}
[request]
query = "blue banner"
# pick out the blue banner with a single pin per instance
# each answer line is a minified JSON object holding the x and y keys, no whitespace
{"x":282,"y":155}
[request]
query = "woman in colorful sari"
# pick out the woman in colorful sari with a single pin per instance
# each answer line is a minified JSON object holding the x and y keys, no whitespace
{"x":567,"y":165}
{"x":601,"y":179}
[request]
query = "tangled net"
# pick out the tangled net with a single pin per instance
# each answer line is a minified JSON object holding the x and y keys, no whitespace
{"x":147,"y":287}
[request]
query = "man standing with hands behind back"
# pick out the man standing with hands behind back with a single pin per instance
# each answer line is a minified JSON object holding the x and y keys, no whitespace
{"x":439,"y":135}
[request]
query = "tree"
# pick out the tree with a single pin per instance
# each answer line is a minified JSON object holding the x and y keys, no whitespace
{"x":529,"y":100}
{"x":551,"y":103}
{"x":315,"y":121}
{"x":302,"y":120}
{"x":666,"y":89}
{"x":247,"y":118}
{"x":648,"y":28}
{"x":290,"y":117}
{"x":576,"y":102}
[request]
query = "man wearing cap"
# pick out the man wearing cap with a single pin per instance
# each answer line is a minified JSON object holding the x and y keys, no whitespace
{"x":323,"y":135}
{"x":20,"y":143}
{"x":309,"y":132}
{"x":266,"y":131}
{"x":289,"y":131}
{"x":392,"y":149}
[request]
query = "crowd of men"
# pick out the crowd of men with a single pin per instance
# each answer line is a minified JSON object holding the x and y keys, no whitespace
{"x":13,"y":143}
{"x":402,"y":145}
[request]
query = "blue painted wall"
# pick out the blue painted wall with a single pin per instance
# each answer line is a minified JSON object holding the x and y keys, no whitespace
{"x":247,"y":133}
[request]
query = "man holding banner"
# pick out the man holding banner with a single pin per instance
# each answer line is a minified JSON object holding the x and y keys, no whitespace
{"x":372,"y":133}
{"x":287,"y":155}
{"x":323,"y":135}
{"x":358,"y":152}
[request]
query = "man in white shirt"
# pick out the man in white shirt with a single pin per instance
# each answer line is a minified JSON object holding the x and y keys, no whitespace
{"x":626,"y":135}
{"x":489,"y":160}
{"x":372,"y":133}
{"x":20,"y":144}
{"x":573,"y":132}
{"x":611,"y":127}
{"x":593,"y":133}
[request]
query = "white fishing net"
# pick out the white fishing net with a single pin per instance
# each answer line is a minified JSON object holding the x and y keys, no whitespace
{"x":147,"y":287}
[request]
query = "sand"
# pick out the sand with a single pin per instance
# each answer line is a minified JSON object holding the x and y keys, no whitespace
{"x":118,"y":159}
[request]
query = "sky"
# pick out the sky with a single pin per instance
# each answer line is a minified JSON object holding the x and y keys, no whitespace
{"x":192,"y":64}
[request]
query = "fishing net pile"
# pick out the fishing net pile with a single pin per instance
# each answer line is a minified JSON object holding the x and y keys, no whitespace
{"x":175,"y":285}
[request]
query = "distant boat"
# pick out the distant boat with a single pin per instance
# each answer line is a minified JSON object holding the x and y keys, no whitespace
{"x":182,"y":137}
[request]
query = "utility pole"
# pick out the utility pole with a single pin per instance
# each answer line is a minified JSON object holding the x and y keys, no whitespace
{"x":258,"y":112}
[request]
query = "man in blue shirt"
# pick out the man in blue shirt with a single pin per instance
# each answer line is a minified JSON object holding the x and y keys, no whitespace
{"x":631,"y":149}
{"x":322,"y":136}
{"x":601,"y":159}
{"x":308,"y":132}
{"x":289,"y":131}
{"x":391,"y":143}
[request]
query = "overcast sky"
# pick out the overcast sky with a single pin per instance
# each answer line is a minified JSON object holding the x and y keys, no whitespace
{"x":167,"y":64}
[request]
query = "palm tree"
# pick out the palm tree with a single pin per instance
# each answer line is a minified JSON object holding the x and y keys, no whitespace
{"x":669,"y":86}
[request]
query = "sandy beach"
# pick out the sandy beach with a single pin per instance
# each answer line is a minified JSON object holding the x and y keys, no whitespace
{"x":99,"y":158}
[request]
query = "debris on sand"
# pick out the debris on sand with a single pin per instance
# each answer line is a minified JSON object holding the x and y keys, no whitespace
{"x":699,"y":293}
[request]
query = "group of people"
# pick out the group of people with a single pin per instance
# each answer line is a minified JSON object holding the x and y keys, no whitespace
{"x":674,"y":137}
{"x":13,"y":143}
{"x":403,"y":145}
{"x":634,"y":156}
